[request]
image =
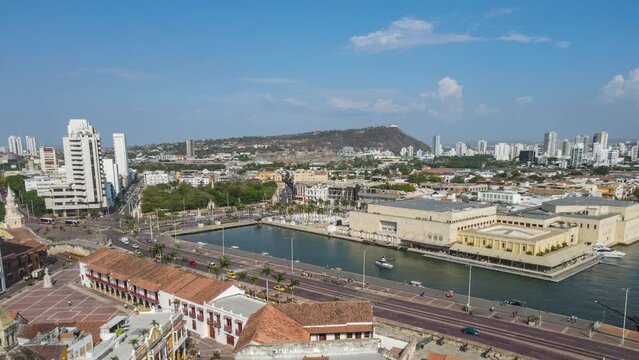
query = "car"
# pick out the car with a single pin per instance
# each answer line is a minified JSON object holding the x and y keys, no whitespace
{"x":212,"y":263}
{"x":515,"y":302}
{"x":192,"y":263}
{"x":470,"y":331}
{"x":136,"y":246}
{"x":280,"y":288}
{"x":124,"y":239}
{"x":231,"y":275}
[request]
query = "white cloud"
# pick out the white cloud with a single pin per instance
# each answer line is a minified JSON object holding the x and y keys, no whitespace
{"x":348,"y":104}
{"x":405,"y":33}
{"x":523,"y":100}
{"x":386,"y":106}
{"x":622,"y":88}
{"x":272,"y":80}
{"x":524,"y":39}
{"x":484,"y":110}
{"x":497,"y":12}
{"x":563,"y":44}
{"x":449,"y":88}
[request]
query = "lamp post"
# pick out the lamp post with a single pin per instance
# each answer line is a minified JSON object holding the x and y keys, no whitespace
{"x":625,"y":311}
{"x":291,"y":255}
{"x":470,"y":281}
{"x":222,"y":241}
{"x":364,"y":271}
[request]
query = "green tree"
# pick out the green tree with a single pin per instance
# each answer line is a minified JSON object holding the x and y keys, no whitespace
{"x":457,"y":179}
{"x":217,"y":271}
{"x":293,"y":284}
{"x":224,"y":262}
{"x":15,"y":182}
{"x":601,"y":170}
{"x":279,"y":277}
{"x":242,"y":275}
{"x":134,"y":343}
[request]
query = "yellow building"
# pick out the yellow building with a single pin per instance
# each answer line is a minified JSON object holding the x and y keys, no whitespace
{"x":310,"y":176}
{"x":268,"y":176}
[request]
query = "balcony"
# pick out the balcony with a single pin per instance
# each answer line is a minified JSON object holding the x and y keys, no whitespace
{"x":228,"y":328}
{"x":216,"y":324}
{"x":200,"y":317}
{"x":185,"y":311}
{"x":238,"y":332}
{"x":192,"y":314}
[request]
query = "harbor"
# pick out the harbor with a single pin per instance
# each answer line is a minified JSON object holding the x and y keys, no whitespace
{"x":573,"y":296}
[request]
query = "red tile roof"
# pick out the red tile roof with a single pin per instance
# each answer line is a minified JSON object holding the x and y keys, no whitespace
{"x":152,"y":276}
{"x":271,"y":326}
{"x":329,"y":313}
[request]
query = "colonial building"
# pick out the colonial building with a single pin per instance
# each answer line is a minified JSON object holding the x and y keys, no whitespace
{"x":211,"y":308}
{"x":21,"y":253}
{"x":12,"y":218}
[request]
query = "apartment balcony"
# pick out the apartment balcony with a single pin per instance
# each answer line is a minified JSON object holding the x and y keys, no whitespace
{"x":192,"y":314}
{"x":215,"y":323}
{"x":228,"y":329}
{"x":185,"y":311}
{"x":200,"y":317}
{"x":238,"y":332}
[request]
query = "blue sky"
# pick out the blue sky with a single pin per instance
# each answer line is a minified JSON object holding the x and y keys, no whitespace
{"x":166,"y":71}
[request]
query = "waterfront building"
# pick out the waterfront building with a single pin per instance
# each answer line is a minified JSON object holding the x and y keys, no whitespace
{"x":189,"y":148}
{"x":551,"y":143}
{"x":420,"y":222}
{"x":482,"y":146}
{"x":338,"y":192}
{"x":502,"y":152}
{"x":15,"y":145}
{"x":48,"y":159}
{"x":32,"y":148}
{"x":315,"y":193}
{"x":437,"y":145}
{"x":296,"y":331}
{"x":152,"y":178}
{"x":211,"y":308}
{"x":121,"y":157}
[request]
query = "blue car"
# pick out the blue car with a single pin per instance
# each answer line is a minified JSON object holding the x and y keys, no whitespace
{"x":470,"y":331}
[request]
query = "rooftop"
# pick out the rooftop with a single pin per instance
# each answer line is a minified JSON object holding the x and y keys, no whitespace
{"x":589,"y":201}
{"x":271,"y":326}
{"x":433,"y":205}
{"x":513,"y":231}
{"x":329,"y":313}
{"x":239,"y":304}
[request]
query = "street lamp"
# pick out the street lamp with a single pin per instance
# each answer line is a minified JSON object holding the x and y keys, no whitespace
{"x":625,"y":311}
{"x":364,"y":271}
{"x":291,"y":255}
{"x":222,"y":240}
{"x":470,"y":280}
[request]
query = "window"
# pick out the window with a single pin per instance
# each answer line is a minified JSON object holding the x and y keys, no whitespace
{"x":349,"y":335}
{"x":322,"y":337}
{"x":336,"y":336}
{"x":388,"y":226}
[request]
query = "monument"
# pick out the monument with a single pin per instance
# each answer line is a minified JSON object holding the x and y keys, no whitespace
{"x":47,"y":283}
{"x":12,"y":218}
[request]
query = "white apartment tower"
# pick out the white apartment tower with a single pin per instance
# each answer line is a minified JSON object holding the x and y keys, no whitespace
{"x":15,"y":145}
{"x":502,"y":152}
{"x":482,"y":146}
{"x":83,"y":166}
{"x":121,"y":157}
{"x":189,"y":148}
{"x":460,"y":148}
{"x":32,"y":148}
{"x":437,"y":145}
{"x":601,"y":138}
{"x":551,"y":142}
{"x":48,"y":160}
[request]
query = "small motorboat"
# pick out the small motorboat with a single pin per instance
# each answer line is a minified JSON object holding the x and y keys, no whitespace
{"x":234,"y":247}
{"x":265,"y":254}
{"x":415,"y":283}
{"x":381,"y":262}
{"x":607,"y":252}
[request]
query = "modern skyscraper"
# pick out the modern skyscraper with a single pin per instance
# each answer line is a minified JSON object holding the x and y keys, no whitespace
{"x":121,"y":157}
{"x":48,"y":160}
{"x":112,"y":177}
{"x":32,"y":148}
{"x":576,"y":158}
{"x":189,"y":148}
{"x":83,"y":165}
{"x":15,"y":145}
{"x":551,"y":139}
{"x":566,"y":147}
{"x":601,"y":138}
{"x":502,"y":152}
{"x":527,"y":157}
{"x":437,"y":146}
{"x":482,"y":146}
{"x":460,"y":148}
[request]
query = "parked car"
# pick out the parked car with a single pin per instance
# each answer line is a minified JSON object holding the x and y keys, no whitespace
{"x":470,"y":331}
{"x":192,"y":263}
{"x":136,"y":246}
{"x":515,"y":302}
{"x":280,"y":288}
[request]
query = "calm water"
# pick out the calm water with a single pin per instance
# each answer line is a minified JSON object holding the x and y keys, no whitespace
{"x":573,"y":296}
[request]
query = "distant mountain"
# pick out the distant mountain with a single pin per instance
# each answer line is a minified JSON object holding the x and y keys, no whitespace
{"x":379,"y":137}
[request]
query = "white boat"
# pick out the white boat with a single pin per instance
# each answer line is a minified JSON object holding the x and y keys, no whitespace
{"x":381,"y":262}
{"x":605,"y":251}
{"x":265,"y":254}
{"x":234,"y":247}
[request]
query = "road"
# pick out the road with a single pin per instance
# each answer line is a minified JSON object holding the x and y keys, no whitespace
{"x":499,"y":333}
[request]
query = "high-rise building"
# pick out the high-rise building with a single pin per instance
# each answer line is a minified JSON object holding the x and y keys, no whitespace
{"x":437,"y":145}
{"x":410,"y":151}
{"x":566,"y":147}
{"x":527,"y":157}
{"x":460,"y":149}
{"x":601,"y":138}
{"x":48,"y":159}
{"x":634,"y":152}
{"x":32,"y":148}
{"x":15,"y":145}
{"x":121,"y":157}
{"x":551,"y":139}
{"x":576,"y":158}
{"x":83,"y":165}
{"x":502,"y":152}
{"x":515,"y":149}
{"x":189,"y":148}
{"x":482,"y":146}
{"x":113,"y":182}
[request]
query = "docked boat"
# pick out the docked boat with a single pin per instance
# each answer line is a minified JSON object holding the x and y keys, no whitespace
{"x":265,"y":254}
{"x":235,"y":247}
{"x":605,"y":251}
{"x":381,"y":262}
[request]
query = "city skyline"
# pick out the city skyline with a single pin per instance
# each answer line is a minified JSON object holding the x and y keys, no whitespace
{"x":275,"y":70}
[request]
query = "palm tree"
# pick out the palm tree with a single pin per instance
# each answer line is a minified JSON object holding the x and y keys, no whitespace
{"x":154,"y":323}
{"x":224,"y":262}
{"x":134,"y":342}
{"x":172,"y":255}
{"x":144,"y":333}
{"x":266,"y":271}
{"x":279,"y":277}
{"x":242,"y":275}
{"x":156,"y":249}
{"x":253,"y":280}
{"x":217,"y":271}
{"x":216,"y":355}
{"x":294,"y":283}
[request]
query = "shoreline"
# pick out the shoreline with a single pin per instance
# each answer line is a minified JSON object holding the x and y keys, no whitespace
{"x":557,"y":276}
